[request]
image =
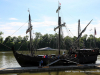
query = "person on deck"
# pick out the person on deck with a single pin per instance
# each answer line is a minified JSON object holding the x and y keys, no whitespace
{"x":58,"y":56}
{"x":63,"y":52}
{"x":41,"y":62}
{"x":44,"y":56}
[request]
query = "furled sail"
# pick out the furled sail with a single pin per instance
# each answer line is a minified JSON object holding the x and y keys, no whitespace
{"x":82,"y":31}
{"x":29,"y":27}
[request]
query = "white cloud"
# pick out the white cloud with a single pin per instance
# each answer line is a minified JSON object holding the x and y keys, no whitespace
{"x":47,"y":21}
{"x":11,"y":24}
{"x":13,"y":28}
{"x":48,"y":18}
{"x":47,"y":26}
{"x":19,"y":28}
{"x":13,"y":19}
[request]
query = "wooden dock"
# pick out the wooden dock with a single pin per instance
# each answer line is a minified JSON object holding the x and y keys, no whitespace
{"x":47,"y":68}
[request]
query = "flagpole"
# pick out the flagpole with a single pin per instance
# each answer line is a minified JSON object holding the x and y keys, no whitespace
{"x":58,"y":11}
{"x":90,"y":39}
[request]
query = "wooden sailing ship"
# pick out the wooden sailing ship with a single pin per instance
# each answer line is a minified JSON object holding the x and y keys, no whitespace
{"x":32,"y":60}
{"x":74,"y":56}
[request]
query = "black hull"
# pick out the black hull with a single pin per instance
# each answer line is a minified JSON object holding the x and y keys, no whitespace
{"x":88,"y":55}
{"x":87,"y":59}
{"x":83,"y":57}
{"x":28,"y":61}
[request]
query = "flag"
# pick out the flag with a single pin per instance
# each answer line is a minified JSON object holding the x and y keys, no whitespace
{"x":28,"y":10}
{"x":95,"y":31}
{"x":59,"y":3}
{"x":29,"y":29}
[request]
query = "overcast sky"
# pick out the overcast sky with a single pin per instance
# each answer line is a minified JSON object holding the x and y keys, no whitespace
{"x":14,"y":14}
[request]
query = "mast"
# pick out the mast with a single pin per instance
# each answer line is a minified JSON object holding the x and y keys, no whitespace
{"x":30,"y":33}
{"x":59,"y":26}
{"x":94,"y":38}
{"x":59,"y":23}
{"x":82,"y":31}
{"x":59,"y":29}
{"x":78,"y":31}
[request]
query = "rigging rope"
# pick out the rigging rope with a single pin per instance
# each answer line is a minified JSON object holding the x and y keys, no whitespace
{"x":19,"y":28}
{"x":22,"y":44}
{"x":11,"y":35}
{"x":5,"y":46}
{"x":68,"y":31}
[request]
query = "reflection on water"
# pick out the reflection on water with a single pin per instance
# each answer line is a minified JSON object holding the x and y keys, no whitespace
{"x":98,"y":60}
{"x":8,"y":60}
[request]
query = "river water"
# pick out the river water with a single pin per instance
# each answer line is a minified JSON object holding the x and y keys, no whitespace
{"x":8,"y":60}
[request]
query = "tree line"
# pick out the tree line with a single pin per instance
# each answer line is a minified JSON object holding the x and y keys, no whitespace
{"x":47,"y":40}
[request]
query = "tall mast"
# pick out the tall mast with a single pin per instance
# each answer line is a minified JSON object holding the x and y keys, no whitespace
{"x":59,"y":26}
{"x":78,"y":30}
{"x":30,"y":33}
{"x":94,"y":38}
{"x":59,"y":23}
